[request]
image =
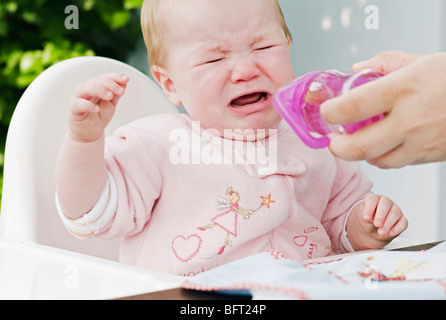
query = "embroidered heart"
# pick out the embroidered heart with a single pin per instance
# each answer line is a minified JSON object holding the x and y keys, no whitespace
{"x":185,"y":249}
{"x":300,"y":240}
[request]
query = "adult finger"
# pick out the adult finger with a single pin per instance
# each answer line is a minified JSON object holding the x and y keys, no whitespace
{"x":396,"y":158}
{"x":361,"y":103}
{"x":386,"y":61}
{"x":368,"y":143}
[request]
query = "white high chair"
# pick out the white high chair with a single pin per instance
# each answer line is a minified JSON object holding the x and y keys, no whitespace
{"x":28,"y":213}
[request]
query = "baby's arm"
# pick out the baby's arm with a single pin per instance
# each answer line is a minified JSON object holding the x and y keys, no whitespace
{"x":374,"y":223}
{"x":81,"y":171}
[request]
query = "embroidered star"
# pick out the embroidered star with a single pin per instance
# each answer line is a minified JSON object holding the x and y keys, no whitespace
{"x":267,"y":201}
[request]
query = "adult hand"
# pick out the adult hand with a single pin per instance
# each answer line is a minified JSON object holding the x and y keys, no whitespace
{"x":413,"y":98}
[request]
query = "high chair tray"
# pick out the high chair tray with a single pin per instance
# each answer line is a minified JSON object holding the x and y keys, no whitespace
{"x":32,"y":271}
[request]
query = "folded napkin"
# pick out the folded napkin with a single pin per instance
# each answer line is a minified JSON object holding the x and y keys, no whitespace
{"x":367,"y":275}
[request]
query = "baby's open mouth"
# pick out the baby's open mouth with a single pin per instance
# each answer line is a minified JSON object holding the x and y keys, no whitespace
{"x":248,"y":99}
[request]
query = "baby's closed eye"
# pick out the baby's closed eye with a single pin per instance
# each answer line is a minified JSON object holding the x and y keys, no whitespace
{"x":214,"y":61}
{"x":264,"y":48}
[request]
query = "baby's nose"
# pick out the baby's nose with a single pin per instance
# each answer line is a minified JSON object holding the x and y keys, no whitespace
{"x":244,"y":69}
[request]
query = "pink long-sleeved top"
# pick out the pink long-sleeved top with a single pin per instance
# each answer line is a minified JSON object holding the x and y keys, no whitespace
{"x":186,"y":200}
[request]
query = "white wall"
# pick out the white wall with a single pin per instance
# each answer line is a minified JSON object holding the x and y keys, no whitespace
{"x":410,"y":25}
{"x":332,"y":34}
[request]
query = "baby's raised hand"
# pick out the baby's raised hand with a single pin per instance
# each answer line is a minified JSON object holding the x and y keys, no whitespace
{"x":377,"y":221}
{"x":93,"y":106}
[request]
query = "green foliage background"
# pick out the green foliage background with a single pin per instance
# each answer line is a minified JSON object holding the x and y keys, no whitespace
{"x":33,"y":37}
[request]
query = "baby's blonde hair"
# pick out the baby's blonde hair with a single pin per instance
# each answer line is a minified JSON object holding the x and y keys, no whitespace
{"x":154,"y":28}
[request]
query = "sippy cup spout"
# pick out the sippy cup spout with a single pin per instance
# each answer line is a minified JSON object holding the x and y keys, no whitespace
{"x":289,"y":101}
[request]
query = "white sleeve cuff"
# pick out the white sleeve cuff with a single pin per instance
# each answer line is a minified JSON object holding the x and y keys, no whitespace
{"x":99,"y":217}
{"x":344,"y":244}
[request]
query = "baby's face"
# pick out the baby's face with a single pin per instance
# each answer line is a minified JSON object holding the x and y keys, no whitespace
{"x":225,"y":61}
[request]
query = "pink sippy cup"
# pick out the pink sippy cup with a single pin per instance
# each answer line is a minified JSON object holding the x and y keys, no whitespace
{"x":299,"y":103}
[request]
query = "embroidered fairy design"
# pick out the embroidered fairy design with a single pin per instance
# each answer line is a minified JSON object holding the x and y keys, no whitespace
{"x":228,"y":220}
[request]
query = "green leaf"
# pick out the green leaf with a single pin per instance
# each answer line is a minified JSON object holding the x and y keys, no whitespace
{"x":116,"y":19}
{"x":24,"y":80}
{"x":88,"y":5}
{"x":11,"y":7}
{"x":132,"y":4}
{"x":31,"y":61}
{"x":30,"y":17}
{"x":13,"y":61}
{"x":4,"y":27}
{"x":49,"y":53}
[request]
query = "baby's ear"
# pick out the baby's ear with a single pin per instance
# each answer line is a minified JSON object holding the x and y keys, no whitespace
{"x":162,"y":77}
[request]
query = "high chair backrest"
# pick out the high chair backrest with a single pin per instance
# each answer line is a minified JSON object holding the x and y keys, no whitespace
{"x":28,"y":211}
